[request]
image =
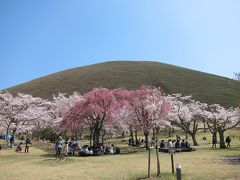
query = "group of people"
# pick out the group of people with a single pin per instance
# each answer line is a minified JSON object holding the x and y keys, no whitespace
{"x":99,"y":149}
{"x":69,"y":147}
{"x":138,"y":142}
{"x":26,"y":143}
{"x":174,"y":144}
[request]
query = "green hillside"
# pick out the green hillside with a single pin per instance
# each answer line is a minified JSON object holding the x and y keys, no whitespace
{"x":129,"y":74}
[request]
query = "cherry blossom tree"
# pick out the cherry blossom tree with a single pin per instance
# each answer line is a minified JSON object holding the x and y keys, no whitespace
{"x":186,"y":114}
{"x":60,"y":106}
{"x":21,"y":113}
{"x":220,"y":120}
{"x":150,"y":109}
{"x":37,"y":117}
{"x":95,"y":111}
{"x":12,"y":110}
{"x":123,"y":121}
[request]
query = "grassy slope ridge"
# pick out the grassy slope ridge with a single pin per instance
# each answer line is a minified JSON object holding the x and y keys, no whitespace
{"x":132,"y":74}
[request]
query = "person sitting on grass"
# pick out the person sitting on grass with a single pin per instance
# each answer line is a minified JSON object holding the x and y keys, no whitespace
{"x":183,"y":144}
{"x":19,"y":148}
{"x":173,"y":143}
{"x":162,"y":144}
{"x":187,"y":144}
{"x":169,"y":145}
{"x":108,"y":148}
{"x":177,"y":144}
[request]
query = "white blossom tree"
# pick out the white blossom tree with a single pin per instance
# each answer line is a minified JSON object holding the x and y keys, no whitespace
{"x":186,"y":114}
{"x":220,"y":119}
{"x":60,"y":106}
{"x":22,"y":113}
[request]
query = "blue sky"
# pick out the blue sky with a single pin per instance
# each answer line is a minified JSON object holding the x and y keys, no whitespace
{"x":44,"y":36}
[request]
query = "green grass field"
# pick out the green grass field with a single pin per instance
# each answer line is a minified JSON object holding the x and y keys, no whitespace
{"x":40,"y":163}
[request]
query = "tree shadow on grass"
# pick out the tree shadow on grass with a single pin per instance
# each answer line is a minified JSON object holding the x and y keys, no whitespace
{"x":234,"y":160}
{"x":50,"y":159}
{"x":48,"y":155}
{"x":234,"y":148}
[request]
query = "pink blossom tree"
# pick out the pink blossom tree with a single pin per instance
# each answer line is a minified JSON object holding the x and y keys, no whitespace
{"x":220,"y":120}
{"x":95,"y":111}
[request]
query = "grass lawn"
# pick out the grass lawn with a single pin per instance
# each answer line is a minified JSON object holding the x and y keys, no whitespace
{"x":204,"y":87}
{"x":205,"y":163}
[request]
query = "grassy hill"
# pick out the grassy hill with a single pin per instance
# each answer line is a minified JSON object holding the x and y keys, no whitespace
{"x":129,"y":74}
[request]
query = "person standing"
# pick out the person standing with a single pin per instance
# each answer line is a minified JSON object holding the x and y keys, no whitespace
{"x":58,"y":146}
{"x":11,"y":141}
{"x":228,"y":141}
{"x":66,"y":147}
{"x":214,"y":141}
{"x":27,"y":143}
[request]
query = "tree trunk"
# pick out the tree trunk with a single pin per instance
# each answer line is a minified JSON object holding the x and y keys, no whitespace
{"x":169,"y":132}
{"x":153,"y":137}
{"x":157,"y":130}
{"x":14,"y":131}
{"x":91,"y":136}
{"x":123,"y":134}
{"x":8,"y":127}
{"x":38,"y":135}
{"x":154,"y":134}
{"x":149,"y":162}
{"x":194,"y":139}
{"x":131,"y":134}
{"x":221,"y":135}
{"x":90,"y":139}
{"x":136,"y":137}
{"x":204,"y":127}
{"x":146,"y":134}
{"x":80,"y":133}
{"x":103,"y":134}
{"x":96,"y":137}
{"x":186,"y":135}
{"x":173,"y":130}
{"x":157,"y":155}
{"x":32,"y":135}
